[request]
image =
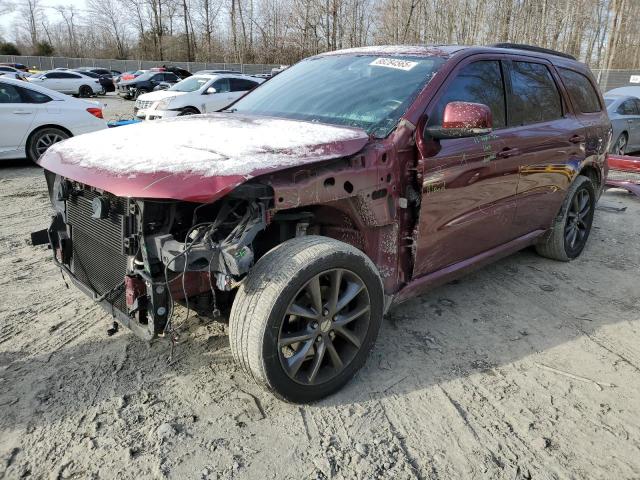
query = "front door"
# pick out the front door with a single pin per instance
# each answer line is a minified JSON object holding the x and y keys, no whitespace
{"x":223,"y":96}
{"x":468,"y":184}
{"x":16,"y":116}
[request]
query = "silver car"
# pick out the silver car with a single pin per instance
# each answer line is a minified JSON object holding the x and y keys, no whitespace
{"x":623,"y":107}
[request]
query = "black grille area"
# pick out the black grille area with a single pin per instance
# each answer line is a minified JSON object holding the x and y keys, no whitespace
{"x":97,"y":259}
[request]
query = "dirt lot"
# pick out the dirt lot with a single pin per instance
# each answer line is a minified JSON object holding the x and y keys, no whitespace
{"x":526,"y":369}
{"x":115,"y":107}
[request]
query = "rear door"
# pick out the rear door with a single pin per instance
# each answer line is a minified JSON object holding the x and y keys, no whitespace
{"x":468,"y":184}
{"x":549,"y":140}
{"x":632,"y":118}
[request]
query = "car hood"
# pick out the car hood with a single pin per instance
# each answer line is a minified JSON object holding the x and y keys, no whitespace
{"x":196,"y":158}
{"x":159,"y":95}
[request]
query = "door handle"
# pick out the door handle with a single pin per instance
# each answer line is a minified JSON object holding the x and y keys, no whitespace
{"x":577,"y":139}
{"x":508,"y":152}
{"x":22,"y":112}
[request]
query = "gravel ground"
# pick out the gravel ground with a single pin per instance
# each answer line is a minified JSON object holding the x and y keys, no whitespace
{"x":115,"y":107}
{"x":526,"y":369}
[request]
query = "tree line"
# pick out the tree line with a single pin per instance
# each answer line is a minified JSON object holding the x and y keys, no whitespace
{"x":603,"y":33}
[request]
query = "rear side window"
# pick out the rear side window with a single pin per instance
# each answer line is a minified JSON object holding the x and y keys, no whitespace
{"x":581,"y":91}
{"x":628,"y":107}
{"x":31,"y":96}
{"x":478,"y":82}
{"x":68,"y":75}
{"x":535,"y":97}
{"x":241,"y":85}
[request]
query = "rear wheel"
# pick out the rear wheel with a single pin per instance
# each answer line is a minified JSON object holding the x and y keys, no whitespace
{"x":41,"y":140}
{"x":85,"y":91}
{"x":568,"y":236}
{"x":306,"y":317}
{"x":620,"y":147}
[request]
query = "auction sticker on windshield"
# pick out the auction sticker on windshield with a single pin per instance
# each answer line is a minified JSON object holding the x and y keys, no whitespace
{"x":394,"y":63}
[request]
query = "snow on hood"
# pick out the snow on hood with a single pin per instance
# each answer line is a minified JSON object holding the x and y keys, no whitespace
{"x":217,"y":144}
{"x":159,"y":95}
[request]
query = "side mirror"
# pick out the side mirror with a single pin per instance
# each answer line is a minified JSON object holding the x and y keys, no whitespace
{"x":210,"y":90}
{"x":462,"y":119}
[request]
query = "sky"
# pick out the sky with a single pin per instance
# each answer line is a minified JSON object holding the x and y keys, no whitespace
{"x":7,"y":20}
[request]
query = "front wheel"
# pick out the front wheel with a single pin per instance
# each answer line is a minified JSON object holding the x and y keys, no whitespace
{"x":306,"y":316}
{"x":568,"y":236}
{"x":620,"y":147}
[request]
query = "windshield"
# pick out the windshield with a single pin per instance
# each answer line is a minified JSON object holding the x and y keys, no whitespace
{"x":363,"y":91}
{"x":190,"y":84}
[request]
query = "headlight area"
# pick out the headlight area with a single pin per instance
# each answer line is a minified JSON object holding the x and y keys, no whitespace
{"x":140,"y":258}
{"x":162,"y":104}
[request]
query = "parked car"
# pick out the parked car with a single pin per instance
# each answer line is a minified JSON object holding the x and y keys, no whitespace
{"x":67,"y":81}
{"x":196,"y":94}
{"x":105,"y":81}
{"x":11,"y":72}
{"x":34,"y":118}
{"x":624,"y":172}
{"x":215,"y":72}
{"x":180,"y":72}
{"x":144,"y":83}
{"x":624,"y":112}
{"x":129,"y":75}
{"x":17,"y":66}
{"x":100,"y":71}
{"x":348,"y":183}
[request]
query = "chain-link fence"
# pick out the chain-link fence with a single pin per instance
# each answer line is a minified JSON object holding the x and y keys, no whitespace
{"x":49,"y":63}
{"x":608,"y":79}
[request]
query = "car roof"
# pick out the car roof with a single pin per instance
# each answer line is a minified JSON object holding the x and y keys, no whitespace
{"x":37,"y":88}
{"x":633,"y":91}
{"x":446,"y":51}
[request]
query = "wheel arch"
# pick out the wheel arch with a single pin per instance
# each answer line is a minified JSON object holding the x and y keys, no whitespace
{"x":189,"y":107}
{"x":42,"y":127}
{"x":594,"y":174}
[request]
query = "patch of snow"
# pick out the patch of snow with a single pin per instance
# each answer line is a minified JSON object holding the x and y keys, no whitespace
{"x":420,"y":50}
{"x":219,"y":144}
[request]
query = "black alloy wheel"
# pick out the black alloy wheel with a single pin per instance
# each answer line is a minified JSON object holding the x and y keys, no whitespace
{"x":324,"y":326}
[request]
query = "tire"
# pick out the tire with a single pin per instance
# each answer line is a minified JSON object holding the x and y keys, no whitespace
{"x":102,"y":92}
{"x":188,"y":111}
{"x":139,"y":92}
{"x":39,"y":141}
{"x":620,"y":147}
{"x":85,"y":91}
{"x":260,"y":323}
{"x":559,"y":243}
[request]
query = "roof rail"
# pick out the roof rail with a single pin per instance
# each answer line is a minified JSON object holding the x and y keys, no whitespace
{"x":532,"y":48}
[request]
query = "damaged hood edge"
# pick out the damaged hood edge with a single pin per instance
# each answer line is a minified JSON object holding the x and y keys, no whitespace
{"x":217,"y":171}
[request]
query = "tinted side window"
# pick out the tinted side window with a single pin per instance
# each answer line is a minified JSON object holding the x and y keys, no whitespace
{"x":54,"y":75}
{"x":31,"y":96}
{"x":222,"y":85}
{"x":628,"y":107}
{"x":171,"y":77}
{"x":478,"y":82}
{"x":68,"y":75}
{"x":9,"y":94}
{"x":241,"y":85}
{"x":535,"y":97}
{"x":581,"y":91}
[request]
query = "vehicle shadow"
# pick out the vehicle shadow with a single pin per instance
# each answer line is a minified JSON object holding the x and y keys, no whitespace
{"x":517,"y":307}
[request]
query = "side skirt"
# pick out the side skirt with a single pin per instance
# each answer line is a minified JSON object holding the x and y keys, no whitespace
{"x":446,"y":274}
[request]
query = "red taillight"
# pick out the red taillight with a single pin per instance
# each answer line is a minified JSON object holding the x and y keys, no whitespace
{"x":96,"y":112}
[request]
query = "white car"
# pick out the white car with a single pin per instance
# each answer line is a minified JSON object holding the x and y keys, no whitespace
{"x":33,"y":118}
{"x":64,"y":81}
{"x":193,"y":95}
{"x":9,"y":72}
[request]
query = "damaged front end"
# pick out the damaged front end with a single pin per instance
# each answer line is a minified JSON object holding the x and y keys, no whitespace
{"x":138,"y":257}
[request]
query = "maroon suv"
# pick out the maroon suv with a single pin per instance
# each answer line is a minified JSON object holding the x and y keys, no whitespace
{"x":348,"y":183}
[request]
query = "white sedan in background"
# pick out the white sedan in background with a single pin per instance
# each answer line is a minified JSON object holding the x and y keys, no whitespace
{"x":65,"y":81}
{"x":10,"y":72}
{"x":193,"y":95}
{"x":33,"y":118}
